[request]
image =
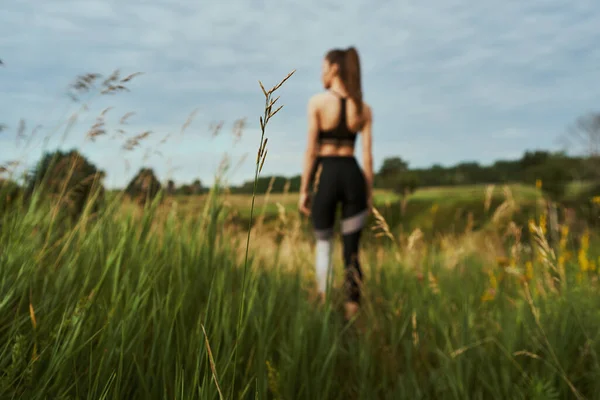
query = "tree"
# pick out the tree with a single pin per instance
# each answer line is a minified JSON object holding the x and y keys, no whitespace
{"x":9,"y":193}
{"x":404,"y":184}
{"x":196,"y":187}
{"x":170,"y":187}
{"x":185,"y":190}
{"x":587,"y":130}
{"x":554,"y":175}
{"x":534,"y":158}
{"x":585,"y":134}
{"x":70,"y":179}
{"x":392,"y":166}
{"x":144,"y":187}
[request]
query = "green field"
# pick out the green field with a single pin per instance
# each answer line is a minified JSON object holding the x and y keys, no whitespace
{"x":118,"y":307}
{"x":444,"y":197}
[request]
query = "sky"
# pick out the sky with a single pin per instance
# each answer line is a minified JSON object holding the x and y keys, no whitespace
{"x":448,"y":80}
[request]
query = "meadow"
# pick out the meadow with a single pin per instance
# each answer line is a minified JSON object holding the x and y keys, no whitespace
{"x":213,"y":297}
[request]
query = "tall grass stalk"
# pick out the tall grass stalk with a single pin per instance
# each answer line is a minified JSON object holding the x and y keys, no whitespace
{"x":260,"y":160}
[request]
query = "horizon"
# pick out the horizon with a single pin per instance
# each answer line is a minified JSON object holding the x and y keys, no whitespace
{"x":250,"y":179}
{"x":455,"y":83}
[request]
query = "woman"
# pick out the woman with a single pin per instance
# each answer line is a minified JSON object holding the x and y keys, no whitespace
{"x":335,"y":118}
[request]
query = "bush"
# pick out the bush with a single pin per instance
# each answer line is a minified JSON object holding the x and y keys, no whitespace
{"x":404,"y":183}
{"x":9,"y":193}
{"x":69,"y":179}
{"x":144,"y":187}
{"x":554,"y":176}
{"x":587,"y":205}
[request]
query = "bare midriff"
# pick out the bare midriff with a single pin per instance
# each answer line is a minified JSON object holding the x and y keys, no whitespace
{"x":332,"y":150}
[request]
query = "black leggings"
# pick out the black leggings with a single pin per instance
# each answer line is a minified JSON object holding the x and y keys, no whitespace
{"x":340,"y":180}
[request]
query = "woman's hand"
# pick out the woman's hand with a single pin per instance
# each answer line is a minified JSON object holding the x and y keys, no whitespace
{"x":304,"y":203}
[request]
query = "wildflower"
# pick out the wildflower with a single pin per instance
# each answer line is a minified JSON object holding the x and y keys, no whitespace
{"x":493,"y":281}
{"x":538,"y":184}
{"x":543,"y":218}
{"x":561,"y":261}
{"x":489,"y":295}
{"x":582,"y":256}
{"x":490,"y":292}
{"x":564,"y":234}
{"x":531,"y":225}
{"x":529,"y":270}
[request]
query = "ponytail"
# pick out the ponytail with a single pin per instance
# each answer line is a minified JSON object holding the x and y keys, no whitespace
{"x":352,"y":77}
{"x":349,"y":71}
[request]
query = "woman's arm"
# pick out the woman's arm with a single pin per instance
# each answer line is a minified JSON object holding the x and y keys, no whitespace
{"x":367,"y":150}
{"x":311,"y":149}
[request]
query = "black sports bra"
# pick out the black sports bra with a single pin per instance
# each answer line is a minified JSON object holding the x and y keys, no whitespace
{"x":340,"y":134}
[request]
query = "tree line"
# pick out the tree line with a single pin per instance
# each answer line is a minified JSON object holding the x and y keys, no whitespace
{"x":74,"y":179}
{"x":70,"y":179}
{"x":555,"y":169}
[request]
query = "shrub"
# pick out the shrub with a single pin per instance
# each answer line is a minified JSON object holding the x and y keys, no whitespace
{"x":9,"y":193}
{"x":144,"y":187}
{"x":69,"y":179}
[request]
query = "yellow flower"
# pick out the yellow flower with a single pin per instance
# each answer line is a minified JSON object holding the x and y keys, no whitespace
{"x":596,"y":200}
{"x":561,"y":261}
{"x":529,"y":270}
{"x":538,"y":184}
{"x":543,"y":223}
{"x":585,"y":240}
{"x":489,"y":295}
{"x":564,"y":235}
{"x":584,"y":264}
{"x":582,"y":257}
{"x":531,"y":225}
{"x":493,"y":281}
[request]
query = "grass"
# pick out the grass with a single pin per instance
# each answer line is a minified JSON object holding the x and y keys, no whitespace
{"x":118,"y":307}
{"x":441,"y":210}
{"x":164,"y":303}
{"x":474,"y":192}
{"x":240,"y":202}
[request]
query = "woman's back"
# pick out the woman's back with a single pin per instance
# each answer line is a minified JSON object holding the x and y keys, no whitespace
{"x":329,"y":107}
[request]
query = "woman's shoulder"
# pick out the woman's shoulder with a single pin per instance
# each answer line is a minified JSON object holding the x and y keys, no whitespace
{"x":319,"y":97}
{"x":318,"y":101}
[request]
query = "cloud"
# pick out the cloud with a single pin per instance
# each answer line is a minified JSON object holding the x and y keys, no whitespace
{"x":449,"y":80}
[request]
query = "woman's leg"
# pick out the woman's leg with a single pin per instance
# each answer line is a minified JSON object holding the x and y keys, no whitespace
{"x":354,"y":218}
{"x":323,"y":216}
{"x":322,"y":263}
{"x":351,"y":231}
